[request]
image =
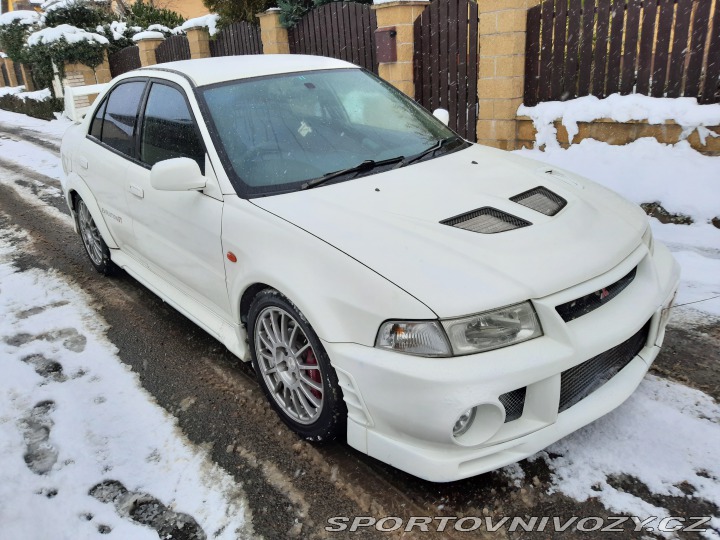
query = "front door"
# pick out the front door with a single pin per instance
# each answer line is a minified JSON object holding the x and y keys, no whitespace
{"x":177,"y":233}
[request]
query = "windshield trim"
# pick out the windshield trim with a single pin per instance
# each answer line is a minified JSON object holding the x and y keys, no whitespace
{"x":244,"y":190}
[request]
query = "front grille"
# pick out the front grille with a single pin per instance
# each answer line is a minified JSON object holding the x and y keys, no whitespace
{"x":486,"y":220}
{"x":541,"y":200}
{"x":590,"y":302}
{"x":514,"y":403}
{"x":579,"y":382}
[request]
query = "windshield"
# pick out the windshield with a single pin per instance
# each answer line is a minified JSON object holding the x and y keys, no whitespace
{"x":276,"y":133}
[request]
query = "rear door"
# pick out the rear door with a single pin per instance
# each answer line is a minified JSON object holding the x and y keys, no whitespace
{"x":105,"y":155}
{"x":177,"y":234}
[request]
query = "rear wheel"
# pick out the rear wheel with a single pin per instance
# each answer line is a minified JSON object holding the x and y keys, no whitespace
{"x":294,"y":370}
{"x":95,"y":246}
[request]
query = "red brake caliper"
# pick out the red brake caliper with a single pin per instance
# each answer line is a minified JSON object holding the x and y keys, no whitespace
{"x":310,"y":360}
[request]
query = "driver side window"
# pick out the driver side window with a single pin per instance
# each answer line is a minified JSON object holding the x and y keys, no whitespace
{"x":168,"y":129}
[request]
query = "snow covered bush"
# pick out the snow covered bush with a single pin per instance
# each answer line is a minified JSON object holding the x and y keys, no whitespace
{"x":38,"y":104}
{"x":14,"y":29}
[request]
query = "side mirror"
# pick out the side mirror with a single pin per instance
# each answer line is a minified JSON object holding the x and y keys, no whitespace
{"x":443,"y":115}
{"x":177,"y":174}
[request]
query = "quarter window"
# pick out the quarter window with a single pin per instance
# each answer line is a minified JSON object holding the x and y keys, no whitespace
{"x":168,"y":129}
{"x":119,"y":115}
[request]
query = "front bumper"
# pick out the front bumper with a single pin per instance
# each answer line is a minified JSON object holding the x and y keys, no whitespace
{"x":401,"y":409}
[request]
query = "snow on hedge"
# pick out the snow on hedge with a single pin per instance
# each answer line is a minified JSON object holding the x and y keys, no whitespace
{"x":207,"y":21}
{"x":19,"y":92}
{"x":22,"y":16}
{"x":683,"y":111}
{"x":117,"y":29}
{"x":71,"y":34}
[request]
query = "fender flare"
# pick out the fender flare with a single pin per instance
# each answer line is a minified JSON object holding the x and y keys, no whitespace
{"x":75,"y":183}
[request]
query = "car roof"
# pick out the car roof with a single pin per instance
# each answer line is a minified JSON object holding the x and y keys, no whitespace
{"x":204,"y":71}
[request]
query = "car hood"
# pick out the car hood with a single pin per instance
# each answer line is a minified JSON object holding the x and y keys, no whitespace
{"x":390,"y":222}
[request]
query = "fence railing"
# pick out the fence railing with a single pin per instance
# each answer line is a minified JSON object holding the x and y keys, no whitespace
{"x":124,"y":60}
{"x":172,"y":49}
{"x":344,"y":30}
{"x":661,"y":48}
{"x":237,"y":38}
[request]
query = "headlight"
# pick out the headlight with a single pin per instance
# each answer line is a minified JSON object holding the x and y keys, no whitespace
{"x":421,"y":338}
{"x":493,"y":329}
{"x":648,"y":240}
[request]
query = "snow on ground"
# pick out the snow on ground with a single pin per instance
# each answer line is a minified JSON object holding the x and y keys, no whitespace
{"x":665,"y":435}
{"x":84,"y":450}
{"x":678,"y":177}
{"x":52,"y":131}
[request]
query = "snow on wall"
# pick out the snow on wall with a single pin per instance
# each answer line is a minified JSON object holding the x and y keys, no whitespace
{"x":685,"y":112}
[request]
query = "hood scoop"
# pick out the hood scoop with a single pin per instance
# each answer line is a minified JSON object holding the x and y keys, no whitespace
{"x":486,"y":220}
{"x":541,"y":200}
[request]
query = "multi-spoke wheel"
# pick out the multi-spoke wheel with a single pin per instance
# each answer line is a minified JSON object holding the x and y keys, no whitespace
{"x":95,"y":246}
{"x":293,"y":369}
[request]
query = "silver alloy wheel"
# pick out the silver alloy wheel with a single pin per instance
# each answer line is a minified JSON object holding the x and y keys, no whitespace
{"x":90,"y":234}
{"x":288,"y":365}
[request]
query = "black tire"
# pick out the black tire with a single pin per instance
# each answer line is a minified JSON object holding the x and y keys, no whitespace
{"x":95,"y":247}
{"x":331,"y":420}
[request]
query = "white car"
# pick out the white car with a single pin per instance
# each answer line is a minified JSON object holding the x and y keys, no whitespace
{"x":447,"y":307}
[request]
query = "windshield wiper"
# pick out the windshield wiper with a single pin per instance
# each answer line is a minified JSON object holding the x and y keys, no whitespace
{"x":434,"y":148}
{"x":366,"y":165}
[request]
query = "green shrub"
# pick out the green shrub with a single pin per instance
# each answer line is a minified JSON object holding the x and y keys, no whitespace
{"x":144,"y":15}
{"x":37,"y":109}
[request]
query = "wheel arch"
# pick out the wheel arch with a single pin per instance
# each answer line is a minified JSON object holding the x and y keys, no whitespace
{"x":77,"y":188}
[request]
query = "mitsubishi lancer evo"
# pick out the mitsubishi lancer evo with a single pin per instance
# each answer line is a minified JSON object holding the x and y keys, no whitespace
{"x":445,"y":307}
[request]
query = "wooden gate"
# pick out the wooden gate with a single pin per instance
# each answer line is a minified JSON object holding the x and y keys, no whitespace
{"x":343,"y":30}
{"x":446,"y":62}
{"x":237,"y":38}
{"x":124,"y":60}
{"x":172,"y":49}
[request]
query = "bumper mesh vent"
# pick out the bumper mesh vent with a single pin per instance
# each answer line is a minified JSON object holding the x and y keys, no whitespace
{"x":590,"y":302}
{"x":541,"y":200}
{"x":579,"y":382}
{"x":486,"y":220}
{"x":514,"y":403}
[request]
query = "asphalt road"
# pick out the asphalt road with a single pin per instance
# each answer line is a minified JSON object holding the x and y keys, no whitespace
{"x":293,"y":487}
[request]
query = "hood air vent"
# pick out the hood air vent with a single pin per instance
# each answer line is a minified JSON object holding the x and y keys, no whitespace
{"x":486,"y":220}
{"x":541,"y":200}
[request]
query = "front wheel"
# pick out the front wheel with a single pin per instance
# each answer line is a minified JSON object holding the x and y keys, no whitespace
{"x":95,"y":246}
{"x":294,"y":370}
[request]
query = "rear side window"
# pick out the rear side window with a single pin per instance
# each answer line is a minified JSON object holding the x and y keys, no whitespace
{"x":168,"y":129}
{"x":119,"y":115}
{"x":96,"y":128}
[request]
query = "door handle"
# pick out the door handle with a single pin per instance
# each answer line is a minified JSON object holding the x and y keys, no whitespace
{"x":137,"y":191}
{"x":83,"y":162}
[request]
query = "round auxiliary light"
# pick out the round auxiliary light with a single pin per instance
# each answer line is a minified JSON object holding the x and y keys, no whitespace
{"x":463,"y":423}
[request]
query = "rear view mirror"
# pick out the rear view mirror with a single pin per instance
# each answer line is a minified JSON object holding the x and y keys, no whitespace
{"x":177,"y":174}
{"x":443,"y":115}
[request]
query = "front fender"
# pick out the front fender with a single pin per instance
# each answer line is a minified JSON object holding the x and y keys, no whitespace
{"x":344,"y":300}
{"x":75,"y":183}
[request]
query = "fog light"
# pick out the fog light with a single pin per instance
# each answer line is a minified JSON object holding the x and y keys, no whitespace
{"x":463,"y":423}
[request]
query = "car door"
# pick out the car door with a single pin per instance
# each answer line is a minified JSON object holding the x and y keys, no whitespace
{"x":104,"y":154}
{"x":177,"y":233}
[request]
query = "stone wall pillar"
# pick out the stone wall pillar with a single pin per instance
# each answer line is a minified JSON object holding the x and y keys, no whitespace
{"x":10,"y":68}
{"x":401,"y":15}
{"x":199,"y":40}
{"x":274,"y":36}
{"x":501,"y":70}
{"x":82,"y":75}
{"x":147,"y":50}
